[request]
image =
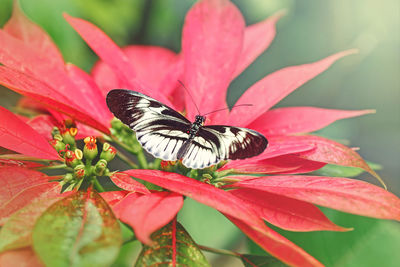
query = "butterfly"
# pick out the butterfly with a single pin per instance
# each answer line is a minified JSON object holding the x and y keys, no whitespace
{"x":168,"y":135}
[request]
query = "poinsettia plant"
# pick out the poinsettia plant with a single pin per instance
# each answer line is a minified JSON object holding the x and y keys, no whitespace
{"x":63,"y":202}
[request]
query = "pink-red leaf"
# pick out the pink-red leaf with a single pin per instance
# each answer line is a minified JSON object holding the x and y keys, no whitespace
{"x":331,"y":152}
{"x":106,"y":49}
{"x":149,"y":212}
{"x":282,"y":164}
{"x":13,"y":180}
{"x":211,"y":45}
{"x":151,"y":64}
{"x":27,"y":196}
{"x":253,"y":45}
{"x":25,"y":257}
{"x":203,"y":193}
{"x":20,"y":27}
{"x":113,"y":197}
{"x":291,"y":120}
{"x":16,"y":232}
{"x":286,"y":213}
{"x":343,"y":194}
{"x":20,"y":137}
{"x":277,"y":245}
{"x":35,"y":89}
{"x":270,"y":90}
{"x":124,"y":181}
{"x":90,"y":93}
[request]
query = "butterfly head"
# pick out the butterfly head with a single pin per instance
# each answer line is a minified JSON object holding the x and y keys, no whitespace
{"x":200,"y":119}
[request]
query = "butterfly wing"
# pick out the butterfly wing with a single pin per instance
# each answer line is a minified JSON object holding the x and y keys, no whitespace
{"x":159,"y":129}
{"x":214,"y":143}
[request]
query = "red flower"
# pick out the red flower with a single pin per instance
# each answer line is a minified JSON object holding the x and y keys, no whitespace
{"x":216,"y":47}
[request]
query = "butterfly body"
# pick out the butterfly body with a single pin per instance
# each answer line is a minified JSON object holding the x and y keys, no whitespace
{"x":166,"y":134}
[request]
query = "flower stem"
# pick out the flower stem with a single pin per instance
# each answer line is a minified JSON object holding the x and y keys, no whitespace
{"x":127,"y":160}
{"x":97,"y":185}
{"x":142,"y":159}
{"x":54,"y":167}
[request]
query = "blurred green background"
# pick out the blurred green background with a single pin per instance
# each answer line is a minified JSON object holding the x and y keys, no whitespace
{"x":311,"y":30}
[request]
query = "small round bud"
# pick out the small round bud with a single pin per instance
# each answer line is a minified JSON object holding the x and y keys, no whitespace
{"x":57,"y":144}
{"x":100,"y":167}
{"x":90,"y":148}
{"x":79,"y":171}
{"x":55,"y":131}
{"x":78,"y":153}
{"x":68,"y":138}
{"x":71,"y":160}
{"x":108,"y":152}
{"x":68,"y":178}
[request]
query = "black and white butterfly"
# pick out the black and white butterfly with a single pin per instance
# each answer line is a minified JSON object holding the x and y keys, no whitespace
{"x":168,"y":135}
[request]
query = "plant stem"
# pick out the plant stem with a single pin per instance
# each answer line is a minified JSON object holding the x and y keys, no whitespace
{"x":127,"y":160}
{"x":142,"y":159}
{"x":97,"y":185}
{"x":54,"y":167}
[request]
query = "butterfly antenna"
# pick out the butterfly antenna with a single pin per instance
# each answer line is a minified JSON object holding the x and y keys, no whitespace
{"x":242,"y":105}
{"x":190,"y":96}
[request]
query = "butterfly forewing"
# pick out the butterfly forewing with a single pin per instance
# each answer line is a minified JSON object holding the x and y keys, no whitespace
{"x":159,"y":129}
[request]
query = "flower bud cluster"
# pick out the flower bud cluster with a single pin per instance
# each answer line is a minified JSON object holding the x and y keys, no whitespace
{"x":81,"y":162}
{"x":125,"y":135}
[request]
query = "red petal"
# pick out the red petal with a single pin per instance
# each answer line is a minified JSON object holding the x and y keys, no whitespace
{"x":149,"y":212}
{"x":43,"y":124}
{"x":15,"y":179}
{"x":211,"y":45}
{"x":25,"y":257}
{"x":283,"y":121}
{"x":203,"y":193}
{"x":151,"y":64}
{"x":282,"y":164}
{"x":343,"y":194}
{"x":29,"y":195}
{"x":18,"y":136}
{"x":39,"y":91}
{"x":22,"y":57}
{"x":90,"y":92}
{"x":286,"y":213}
{"x":6,"y":162}
{"x":270,"y":90}
{"x":124,"y":181}
{"x":106,"y":49}
{"x":331,"y":152}
{"x":113,"y":197}
{"x":257,"y":38}
{"x":279,"y":146}
{"x":29,"y":33}
{"x":277,"y":245}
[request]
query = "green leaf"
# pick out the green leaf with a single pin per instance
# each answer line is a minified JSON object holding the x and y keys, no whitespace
{"x":82,"y":229}
{"x":373,"y":242}
{"x":260,"y":261}
{"x":342,"y":171}
{"x":171,"y":244}
{"x":16,"y":232}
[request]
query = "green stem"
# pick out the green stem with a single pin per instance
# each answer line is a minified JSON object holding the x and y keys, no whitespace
{"x":142,"y":159}
{"x":54,"y":167}
{"x":220,"y":251}
{"x":125,"y":159}
{"x":97,"y":185}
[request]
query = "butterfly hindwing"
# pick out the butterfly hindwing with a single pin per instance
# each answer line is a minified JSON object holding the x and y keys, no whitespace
{"x":214,"y":143}
{"x":159,"y":129}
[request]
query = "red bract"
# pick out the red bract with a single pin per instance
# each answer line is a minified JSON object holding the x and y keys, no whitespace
{"x":216,"y":48}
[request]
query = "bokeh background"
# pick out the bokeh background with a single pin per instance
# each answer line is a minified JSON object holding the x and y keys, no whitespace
{"x":311,"y":30}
